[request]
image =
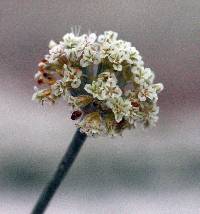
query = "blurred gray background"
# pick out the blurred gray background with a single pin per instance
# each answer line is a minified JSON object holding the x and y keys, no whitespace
{"x":156,"y":171}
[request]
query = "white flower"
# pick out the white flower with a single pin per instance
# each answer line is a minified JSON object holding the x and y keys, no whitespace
{"x":142,"y":76}
{"x":90,"y":56}
{"x":120,"y":107}
{"x":52,"y":44}
{"x":71,"y":41}
{"x":104,"y":78}
{"x":116,"y":57}
{"x":117,"y":67}
{"x":54,"y":54}
{"x":108,"y":36}
{"x":118,"y":51}
{"x":158,"y":87}
{"x":58,"y":88}
{"x":72,"y":75}
{"x":135,"y":114}
{"x":133,"y":57}
{"x":148,"y":92}
{"x":111,"y":35}
{"x":96,"y":89}
{"x":91,"y":38}
{"x":41,"y":95}
{"x":111,"y":90}
{"x":74,"y":46}
{"x":73,"y":54}
{"x":105,"y":50}
{"x":105,"y":87}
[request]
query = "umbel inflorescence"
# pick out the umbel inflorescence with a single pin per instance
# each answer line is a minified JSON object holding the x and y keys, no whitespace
{"x":103,"y":79}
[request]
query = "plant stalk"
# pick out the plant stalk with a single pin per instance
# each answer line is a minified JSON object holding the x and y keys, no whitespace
{"x":63,"y":168}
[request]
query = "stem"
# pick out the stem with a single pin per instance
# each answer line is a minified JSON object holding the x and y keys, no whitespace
{"x":100,"y":67}
{"x":64,"y":166}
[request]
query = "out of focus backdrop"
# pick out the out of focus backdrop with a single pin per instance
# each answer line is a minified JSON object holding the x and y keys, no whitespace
{"x":156,"y":171}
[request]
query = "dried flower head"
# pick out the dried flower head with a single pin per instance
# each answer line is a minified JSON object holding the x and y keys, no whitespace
{"x":103,"y":79}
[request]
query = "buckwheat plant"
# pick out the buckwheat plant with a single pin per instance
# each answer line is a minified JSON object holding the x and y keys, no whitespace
{"x":103,"y":80}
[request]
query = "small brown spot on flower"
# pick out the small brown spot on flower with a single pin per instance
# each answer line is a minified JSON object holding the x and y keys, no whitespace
{"x":135,"y":104}
{"x":75,"y":115}
{"x":40,"y":81}
{"x":45,"y":74}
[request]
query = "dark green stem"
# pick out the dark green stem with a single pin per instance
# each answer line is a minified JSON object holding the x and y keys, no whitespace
{"x":64,"y":166}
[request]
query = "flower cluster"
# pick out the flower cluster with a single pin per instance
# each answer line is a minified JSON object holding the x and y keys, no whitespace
{"x":103,"y":79}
